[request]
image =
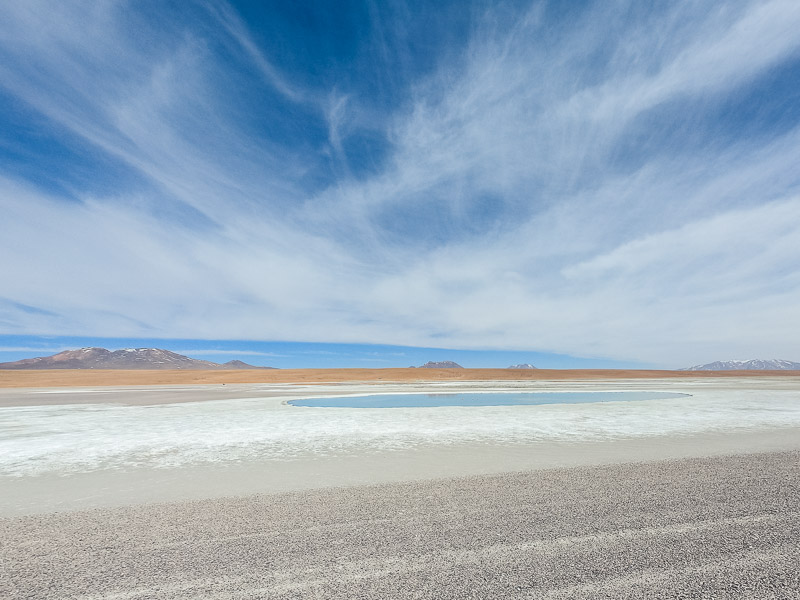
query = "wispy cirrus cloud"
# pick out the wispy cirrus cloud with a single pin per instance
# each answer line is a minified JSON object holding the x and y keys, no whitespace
{"x":597,"y":181}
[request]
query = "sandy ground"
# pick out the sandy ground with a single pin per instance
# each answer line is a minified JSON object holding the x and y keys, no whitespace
{"x":89,"y":377}
{"x":724,"y":527}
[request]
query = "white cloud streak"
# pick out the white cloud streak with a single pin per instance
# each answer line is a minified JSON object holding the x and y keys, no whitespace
{"x":238,"y":30}
{"x":504,"y":215}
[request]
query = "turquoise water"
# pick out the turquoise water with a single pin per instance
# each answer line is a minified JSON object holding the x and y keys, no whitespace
{"x":485,"y":399}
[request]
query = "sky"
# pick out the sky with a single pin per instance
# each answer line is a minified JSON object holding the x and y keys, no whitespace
{"x":583,"y":183}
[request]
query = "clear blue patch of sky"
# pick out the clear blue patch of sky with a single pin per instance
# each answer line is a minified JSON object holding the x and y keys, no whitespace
{"x":365,"y":152}
{"x":297,"y":355}
{"x":371,"y":49}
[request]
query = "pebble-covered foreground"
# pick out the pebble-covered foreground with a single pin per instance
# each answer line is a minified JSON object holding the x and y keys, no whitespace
{"x":699,"y":528}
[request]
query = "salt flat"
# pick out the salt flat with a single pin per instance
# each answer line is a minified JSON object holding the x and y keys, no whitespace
{"x":74,"y":448}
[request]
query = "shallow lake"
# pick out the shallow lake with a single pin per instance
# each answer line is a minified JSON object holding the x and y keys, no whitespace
{"x":480,"y":399}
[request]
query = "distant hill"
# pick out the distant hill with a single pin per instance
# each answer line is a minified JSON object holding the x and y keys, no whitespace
{"x":747,"y":365}
{"x":238,"y":364}
{"x":129,"y":358}
{"x":522,"y":366}
{"x":445,"y":364}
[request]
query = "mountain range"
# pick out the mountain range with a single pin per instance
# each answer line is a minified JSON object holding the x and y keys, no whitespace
{"x":747,"y":365}
{"x":129,"y":358}
{"x":155,"y":358}
{"x":445,"y":364}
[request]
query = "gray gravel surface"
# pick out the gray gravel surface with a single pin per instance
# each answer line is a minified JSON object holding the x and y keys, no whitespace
{"x":724,"y":527}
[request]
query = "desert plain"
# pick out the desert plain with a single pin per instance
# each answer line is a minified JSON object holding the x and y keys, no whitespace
{"x":147,"y":484}
{"x":111,"y":377}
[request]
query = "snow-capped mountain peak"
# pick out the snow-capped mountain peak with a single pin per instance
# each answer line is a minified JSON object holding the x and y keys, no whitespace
{"x":774,"y":364}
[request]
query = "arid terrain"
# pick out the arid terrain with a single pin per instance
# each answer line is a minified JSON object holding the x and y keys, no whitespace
{"x":194,"y":484}
{"x":108,"y":377}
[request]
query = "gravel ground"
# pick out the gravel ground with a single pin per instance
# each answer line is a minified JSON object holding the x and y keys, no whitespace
{"x":723,"y":527}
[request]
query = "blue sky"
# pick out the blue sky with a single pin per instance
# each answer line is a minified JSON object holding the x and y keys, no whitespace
{"x":293,"y":355}
{"x":616,"y":181}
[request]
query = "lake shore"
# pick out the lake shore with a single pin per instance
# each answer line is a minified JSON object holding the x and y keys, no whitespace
{"x":227,"y":452}
{"x":723,"y":527}
{"x":66,"y":492}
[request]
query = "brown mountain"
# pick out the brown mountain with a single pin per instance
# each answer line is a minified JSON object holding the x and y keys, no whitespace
{"x":129,"y":358}
{"x":238,"y":364}
{"x":445,"y":364}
